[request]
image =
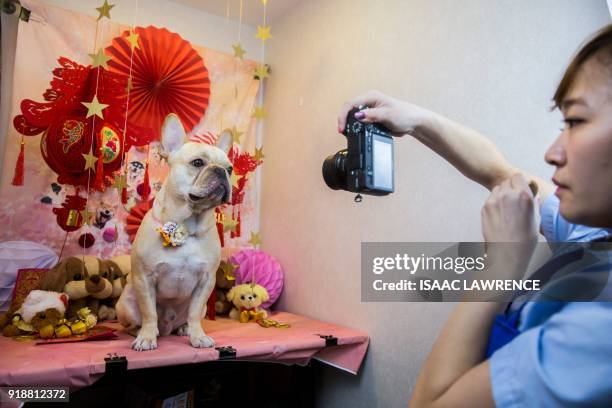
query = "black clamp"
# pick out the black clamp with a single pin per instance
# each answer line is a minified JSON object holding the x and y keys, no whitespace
{"x":329,"y":339}
{"x":226,"y":353}
{"x":115,"y":365}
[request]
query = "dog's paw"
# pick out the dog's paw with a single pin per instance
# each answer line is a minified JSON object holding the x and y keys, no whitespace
{"x":146,"y":340}
{"x":201,"y":340}
{"x":183,"y":330}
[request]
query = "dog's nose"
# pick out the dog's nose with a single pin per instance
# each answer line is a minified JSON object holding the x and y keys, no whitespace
{"x":219,"y":171}
{"x":94,"y":278}
{"x":195,"y":197}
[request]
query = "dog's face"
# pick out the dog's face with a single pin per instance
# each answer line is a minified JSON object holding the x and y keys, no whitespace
{"x":247,"y":295}
{"x":199,"y":173}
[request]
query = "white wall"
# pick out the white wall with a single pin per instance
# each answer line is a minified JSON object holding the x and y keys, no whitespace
{"x":492,"y":65}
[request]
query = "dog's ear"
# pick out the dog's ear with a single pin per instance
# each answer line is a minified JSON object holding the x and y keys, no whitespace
{"x":261,"y":292}
{"x":172,"y":135}
{"x":55,"y":278}
{"x":224,"y":142}
{"x":231,"y":294}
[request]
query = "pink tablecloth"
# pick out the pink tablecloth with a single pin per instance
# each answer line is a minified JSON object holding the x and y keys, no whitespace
{"x":80,"y":364}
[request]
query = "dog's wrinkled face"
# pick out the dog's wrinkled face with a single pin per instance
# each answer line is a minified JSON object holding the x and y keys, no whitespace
{"x":199,"y":173}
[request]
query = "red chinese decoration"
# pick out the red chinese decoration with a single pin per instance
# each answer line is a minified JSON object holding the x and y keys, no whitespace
{"x":168,"y":76}
{"x":69,"y":216}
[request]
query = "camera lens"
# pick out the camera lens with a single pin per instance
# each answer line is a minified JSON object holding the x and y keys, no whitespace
{"x":334,"y":170}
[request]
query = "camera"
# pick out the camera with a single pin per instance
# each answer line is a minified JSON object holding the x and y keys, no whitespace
{"x":366,"y":165}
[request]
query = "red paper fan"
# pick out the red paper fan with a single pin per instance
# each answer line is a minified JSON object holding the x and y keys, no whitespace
{"x":168,"y":75}
{"x":134,"y":219}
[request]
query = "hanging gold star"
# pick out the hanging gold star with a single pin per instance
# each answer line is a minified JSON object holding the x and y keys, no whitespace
{"x":255,"y":239}
{"x":262,"y":72}
{"x":100,"y":59}
{"x":264,"y":2}
{"x":90,"y":160}
{"x":228,"y":269}
{"x":236,"y":135}
{"x":238,"y":51}
{"x":234,"y":180}
{"x":259,"y":112}
{"x":229,"y":224}
{"x":258,"y":154}
{"x":86,"y":216}
{"x":120,"y":183}
{"x":95,"y":107}
{"x":133,"y":40}
{"x":263,"y":33}
{"x":104,"y":10}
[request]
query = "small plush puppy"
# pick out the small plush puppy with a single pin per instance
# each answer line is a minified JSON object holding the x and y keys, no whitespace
{"x":246,"y":299}
{"x":176,"y":251}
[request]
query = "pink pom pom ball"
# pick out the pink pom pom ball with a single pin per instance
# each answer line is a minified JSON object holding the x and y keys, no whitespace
{"x":109,"y":234}
{"x":257,"y":266}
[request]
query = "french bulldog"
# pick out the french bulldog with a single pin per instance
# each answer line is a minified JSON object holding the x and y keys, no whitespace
{"x":168,"y":287}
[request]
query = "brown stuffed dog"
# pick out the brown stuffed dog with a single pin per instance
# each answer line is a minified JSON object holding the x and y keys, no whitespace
{"x":115,"y":270}
{"x":225,"y":281}
{"x":84,"y":289}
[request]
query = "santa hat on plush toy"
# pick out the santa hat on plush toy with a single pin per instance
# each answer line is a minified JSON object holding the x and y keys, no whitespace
{"x":41,"y":300}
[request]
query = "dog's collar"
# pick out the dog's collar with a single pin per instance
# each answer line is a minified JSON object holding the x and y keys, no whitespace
{"x":173,"y":234}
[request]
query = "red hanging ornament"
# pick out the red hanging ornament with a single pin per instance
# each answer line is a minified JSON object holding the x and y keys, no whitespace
{"x":220,"y":231}
{"x":18,"y":177}
{"x":69,"y":216}
{"x":238,"y":224}
{"x":146,"y":187}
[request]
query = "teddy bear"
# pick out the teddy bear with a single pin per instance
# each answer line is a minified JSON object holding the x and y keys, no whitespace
{"x":41,"y":312}
{"x":225,"y":280}
{"x":78,"y":277}
{"x":115,"y":270}
{"x":246,"y":299}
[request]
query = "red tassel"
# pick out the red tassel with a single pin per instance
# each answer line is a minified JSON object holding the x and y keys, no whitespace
{"x":124,"y":197}
{"x":238,"y":224}
{"x":18,"y":177}
{"x":99,"y":183}
{"x":220,"y":228}
{"x":233,"y":233}
{"x":146,"y":187}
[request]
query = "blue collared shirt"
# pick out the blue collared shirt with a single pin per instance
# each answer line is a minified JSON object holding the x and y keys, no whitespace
{"x":563,"y":356}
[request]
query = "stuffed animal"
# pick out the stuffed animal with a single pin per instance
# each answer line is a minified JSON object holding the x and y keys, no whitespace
{"x":224,"y":282}
{"x":40,"y":312}
{"x":246,"y":299}
{"x":84,"y":289}
{"x":115,"y":270}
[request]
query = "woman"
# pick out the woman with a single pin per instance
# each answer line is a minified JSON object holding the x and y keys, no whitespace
{"x":560,"y":356}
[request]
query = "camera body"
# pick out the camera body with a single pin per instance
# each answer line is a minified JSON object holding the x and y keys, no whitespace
{"x":366,"y":165}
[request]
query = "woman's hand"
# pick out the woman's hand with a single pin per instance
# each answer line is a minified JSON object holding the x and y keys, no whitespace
{"x":398,"y":116}
{"x":509,"y":227}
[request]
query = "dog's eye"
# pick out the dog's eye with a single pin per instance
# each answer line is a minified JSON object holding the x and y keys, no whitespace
{"x":254,"y":296}
{"x":230,"y":169}
{"x":242,"y":297}
{"x":77,"y":277}
{"x":42,"y":315}
{"x":104,"y":274}
{"x":197,"y":163}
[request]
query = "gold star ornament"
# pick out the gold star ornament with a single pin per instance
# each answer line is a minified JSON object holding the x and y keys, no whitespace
{"x":255,"y":239}
{"x":229,"y":224}
{"x":90,"y":160}
{"x":133,"y":40}
{"x":259,"y":112}
{"x":238,"y":51}
{"x":104,"y":10}
{"x":263,"y":33}
{"x":262,"y":72}
{"x":228,"y":269}
{"x":86,"y":216}
{"x":120,"y":183}
{"x":259,"y":154}
{"x":95,"y":107}
{"x":236,"y":135}
{"x":264,"y":2}
{"x":100,"y":59}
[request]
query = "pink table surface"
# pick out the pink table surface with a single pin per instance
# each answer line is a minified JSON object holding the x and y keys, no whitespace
{"x":80,"y":364}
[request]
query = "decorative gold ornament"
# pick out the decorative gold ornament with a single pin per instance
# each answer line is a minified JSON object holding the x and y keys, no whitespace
{"x":90,"y":160}
{"x":255,"y":239}
{"x":95,"y":107}
{"x":133,"y":40}
{"x":259,"y":112}
{"x":229,"y":224}
{"x":238,"y":51}
{"x":262,"y":72}
{"x":120,"y":183}
{"x":236,"y":135}
{"x":234,"y":180}
{"x":86,"y":216}
{"x":104,"y":10}
{"x":263,"y":33}
{"x":100,"y":59}
{"x":258,"y":156}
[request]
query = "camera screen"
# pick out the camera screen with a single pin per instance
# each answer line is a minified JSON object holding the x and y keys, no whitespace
{"x":383,"y":162}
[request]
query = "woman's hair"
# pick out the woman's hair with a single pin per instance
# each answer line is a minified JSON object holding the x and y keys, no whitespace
{"x":600,"y":46}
